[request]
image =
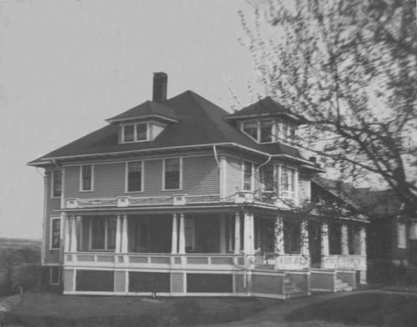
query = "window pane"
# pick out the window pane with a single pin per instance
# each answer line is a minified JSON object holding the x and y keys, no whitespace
{"x":172,"y":174}
{"x":141,"y":132}
{"x":335,"y":239}
{"x":98,"y":225}
{"x":266,"y":131}
{"x":292,"y":237}
{"x":251,"y":128}
{"x":56,"y":233}
{"x":268,"y":178}
{"x":111,"y":233}
{"x":128,"y":133}
{"x":57,"y":182}
{"x":287,"y":182}
{"x":134,"y":176}
{"x":247,"y":176}
{"x":86,"y":178}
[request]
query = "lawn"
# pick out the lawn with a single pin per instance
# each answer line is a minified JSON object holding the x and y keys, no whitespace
{"x":365,"y":308}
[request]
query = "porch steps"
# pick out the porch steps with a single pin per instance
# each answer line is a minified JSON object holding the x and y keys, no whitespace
{"x":341,"y":286}
{"x":291,"y":290}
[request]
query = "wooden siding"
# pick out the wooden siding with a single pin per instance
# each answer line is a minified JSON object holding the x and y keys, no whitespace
{"x":200,"y":176}
{"x":233,"y":175}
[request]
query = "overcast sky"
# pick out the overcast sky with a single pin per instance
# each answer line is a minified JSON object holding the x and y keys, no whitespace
{"x":67,"y":65}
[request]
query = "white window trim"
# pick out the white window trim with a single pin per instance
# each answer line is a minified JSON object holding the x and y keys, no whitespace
{"x":50,"y":275}
{"x":280,"y":184}
{"x":274,"y":130}
{"x":163,"y":174}
{"x":51,"y":230}
{"x":52,"y":184}
{"x":142,"y":186}
{"x":92,"y":178}
{"x":135,"y":134}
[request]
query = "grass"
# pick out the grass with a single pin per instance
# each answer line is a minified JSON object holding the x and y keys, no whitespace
{"x":42,"y":309}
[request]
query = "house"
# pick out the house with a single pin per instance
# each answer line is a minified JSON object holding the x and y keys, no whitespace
{"x":177,"y":197}
{"x":392,"y":232}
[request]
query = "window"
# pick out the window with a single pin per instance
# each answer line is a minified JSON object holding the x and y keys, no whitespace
{"x":135,"y":133}
{"x":103,"y":233}
{"x":55,"y":233}
{"x":288,"y":182}
{"x":251,"y":128}
{"x":56,"y":183}
{"x":134,"y":176}
{"x":54,"y":275}
{"x":172,"y":174}
{"x":86,"y":178}
{"x":247,"y":176}
{"x":335,"y":239}
{"x":288,"y":131}
{"x":268,"y":178}
{"x":292,"y":237}
{"x":266,"y":131}
{"x":401,"y":236}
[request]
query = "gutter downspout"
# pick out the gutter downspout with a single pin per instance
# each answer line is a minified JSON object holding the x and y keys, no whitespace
{"x":259,"y":167}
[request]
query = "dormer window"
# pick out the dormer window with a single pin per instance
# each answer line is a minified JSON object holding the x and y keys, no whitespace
{"x":269,"y":130}
{"x":135,"y":132}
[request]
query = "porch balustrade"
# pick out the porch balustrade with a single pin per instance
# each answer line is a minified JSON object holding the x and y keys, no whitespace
{"x":354,"y":262}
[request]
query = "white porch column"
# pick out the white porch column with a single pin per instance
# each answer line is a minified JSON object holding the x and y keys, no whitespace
{"x":362,"y":238}
{"x":305,"y":249}
{"x":344,"y":240}
{"x":248,"y":234}
{"x":73,"y":242}
{"x":181,"y":245}
{"x":222,"y":234}
{"x":324,"y":239}
{"x":118,"y":234}
{"x":66,"y":220}
{"x":237,"y":232}
{"x":279,"y":236}
{"x":124,"y":240}
{"x":174,"y":244}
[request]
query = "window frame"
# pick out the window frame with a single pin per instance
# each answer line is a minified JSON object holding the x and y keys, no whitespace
{"x":92,"y":178}
{"x":142,"y":184}
{"x":135,"y":132}
{"x":106,"y":234}
{"x":284,"y":193}
{"x":258,"y":124}
{"x":274,"y":177}
{"x":53,"y":195}
{"x":180,"y":174}
{"x":51,"y":239}
{"x":252,"y":177}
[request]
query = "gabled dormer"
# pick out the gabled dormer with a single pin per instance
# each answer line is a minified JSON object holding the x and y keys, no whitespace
{"x":147,"y":120}
{"x":266,"y":121}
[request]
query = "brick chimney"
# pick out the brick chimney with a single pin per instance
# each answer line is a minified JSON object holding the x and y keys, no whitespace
{"x":160,"y":85}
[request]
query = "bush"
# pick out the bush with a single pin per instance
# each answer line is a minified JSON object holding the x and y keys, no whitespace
{"x":385,"y":272}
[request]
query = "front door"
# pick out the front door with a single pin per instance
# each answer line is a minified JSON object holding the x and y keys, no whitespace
{"x":314,"y":242}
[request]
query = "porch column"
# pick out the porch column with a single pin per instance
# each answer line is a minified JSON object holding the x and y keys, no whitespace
{"x":237,"y":232}
{"x":362,"y":238}
{"x":174,"y":244}
{"x":118,"y":234}
{"x":324,"y":239}
{"x":248,"y":234}
{"x":279,"y":236}
{"x":181,"y":245}
{"x":73,"y":242}
{"x":124,"y":240}
{"x":344,"y":240}
{"x":305,"y":250}
{"x":66,"y":232}
{"x":222,"y":234}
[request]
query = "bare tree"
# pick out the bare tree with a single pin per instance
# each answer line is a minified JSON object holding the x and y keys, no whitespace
{"x":349,"y":69}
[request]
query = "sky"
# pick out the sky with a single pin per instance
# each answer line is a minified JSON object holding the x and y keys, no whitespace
{"x":67,"y":65}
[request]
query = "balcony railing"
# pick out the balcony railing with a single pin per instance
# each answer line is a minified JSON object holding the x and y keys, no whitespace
{"x":355,"y":262}
{"x":267,"y":199}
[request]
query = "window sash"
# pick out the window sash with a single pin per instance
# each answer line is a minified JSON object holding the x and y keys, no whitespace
{"x":287,"y":182}
{"x":172,"y":174}
{"x":141,"y":132}
{"x":86,"y":178}
{"x":247,"y":176}
{"x":251,"y":128}
{"x":268,"y":178}
{"x":56,"y":183}
{"x":129,"y":133}
{"x":266,"y":131}
{"x":134,"y":176}
{"x":55,"y":233}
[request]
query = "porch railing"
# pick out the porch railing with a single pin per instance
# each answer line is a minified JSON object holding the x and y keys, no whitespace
{"x":355,"y":262}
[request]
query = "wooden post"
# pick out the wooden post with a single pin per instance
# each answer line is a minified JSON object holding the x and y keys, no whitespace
{"x":118,"y":234}
{"x":124,"y":240}
{"x":181,"y":245}
{"x":248,"y":234}
{"x":279,"y":236}
{"x":222,"y":234}
{"x":237,"y":232}
{"x":344,"y":240}
{"x":305,"y":249}
{"x":324,"y":239}
{"x":362,"y":237}
{"x":66,"y":233}
{"x":73,"y":242}
{"x":174,"y":244}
